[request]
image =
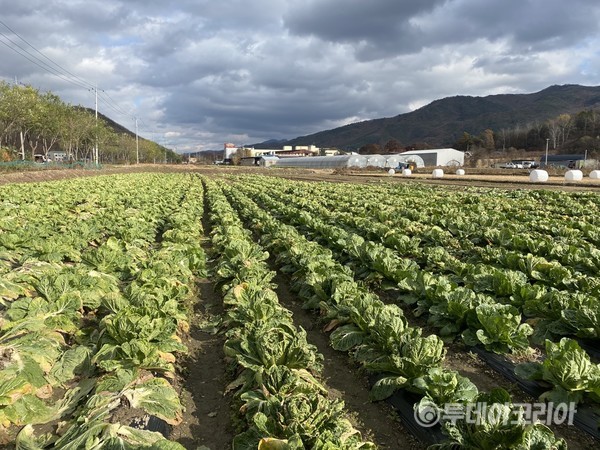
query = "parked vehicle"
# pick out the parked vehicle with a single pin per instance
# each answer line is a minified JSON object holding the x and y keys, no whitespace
{"x":520,"y":164}
{"x":406,"y":165}
{"x":511,"y":165}
{"x":530,"y":165}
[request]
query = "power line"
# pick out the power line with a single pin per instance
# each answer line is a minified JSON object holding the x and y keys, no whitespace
{"x":61,"y":68}
{"x":56,"y":69}
{"x":125,"y":113}
{"x":66,"y":75}
{"x":113,"y":106}
{"x":38,"y":63}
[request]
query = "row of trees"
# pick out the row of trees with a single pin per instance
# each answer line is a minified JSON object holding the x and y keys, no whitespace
{"x":35,"y":123}
{"x":391,"y":146}
{"x":565,"y":133}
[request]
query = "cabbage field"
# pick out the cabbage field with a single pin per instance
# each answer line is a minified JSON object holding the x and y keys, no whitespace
{"x":99,"y":299}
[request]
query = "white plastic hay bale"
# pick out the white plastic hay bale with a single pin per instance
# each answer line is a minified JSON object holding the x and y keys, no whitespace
{"x":595,"y":174}
{"x":538,"y":176}
{"x":574,"y":175}
{"x":437,"y":173}
{"x":460,"y":172}
{"x":391,"y":172}
{"x":406,"y":172}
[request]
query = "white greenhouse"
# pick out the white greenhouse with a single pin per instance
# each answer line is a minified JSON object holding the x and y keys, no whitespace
{"x":394,"y":160}
{"x":438,"y":157}
{"x":376,"y":160}
{"x":323,"y":162}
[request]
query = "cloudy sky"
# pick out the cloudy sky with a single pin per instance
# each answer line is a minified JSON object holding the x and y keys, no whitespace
{"x":199,"y":73}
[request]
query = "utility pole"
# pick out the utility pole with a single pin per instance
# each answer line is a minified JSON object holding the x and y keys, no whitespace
{"x":137,"y":144}
{"x":96,"y":159}
{"x":22,"y":145}
{"x":21,"y":132}
{"x":546,"y":164}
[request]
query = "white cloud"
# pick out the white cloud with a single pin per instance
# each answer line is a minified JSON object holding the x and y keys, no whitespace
{"x":206,"y":72}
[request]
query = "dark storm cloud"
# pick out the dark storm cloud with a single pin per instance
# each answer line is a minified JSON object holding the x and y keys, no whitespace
{"x":356,"y":20}
{"x":529,"y":25}
{"x":384,"y":28}
{"x":285,"y":109}
{"x":206,"y":72}
{"x":377,"y":27}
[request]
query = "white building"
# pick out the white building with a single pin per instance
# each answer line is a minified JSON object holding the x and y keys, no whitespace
{"x":311,"y":148}
{"x":298,"y":150}
{"x":437,"y":157}
{"x":228,"y":150}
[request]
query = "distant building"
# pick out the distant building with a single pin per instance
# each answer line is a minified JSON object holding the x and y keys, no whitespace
{"x":267,"y":160}
{"x":228,"y":150}
{"x":247,"y":152}
{"x":288,"y":150}
{"x":296,"y":152}
{"x":438,"y":157}
{"x":250,"y":161}
{"x":330,"y":151}
{"x":310,"y":148}
{"x":563,"y":161}
{"x":57,"y":156}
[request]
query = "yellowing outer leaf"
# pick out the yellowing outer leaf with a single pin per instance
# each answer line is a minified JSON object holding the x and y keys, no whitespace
{"x":239,"y":290}
{"x":156,"y":396}
{"x":169,"y":374}
{"x":168,"y":357}
{"x":332,"y":325}
{"x":184,"y":326}
{"x":273,"y":444}
{"x":11,"y":291}
{"x":12,"y":390}
{"x":44,"y":391}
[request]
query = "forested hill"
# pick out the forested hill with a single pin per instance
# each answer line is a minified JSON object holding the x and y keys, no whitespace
{"x":110,"y":123}
{"x":443,"y":122}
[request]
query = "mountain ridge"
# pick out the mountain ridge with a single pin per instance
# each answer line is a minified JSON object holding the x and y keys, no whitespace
{"x":442,"y":122}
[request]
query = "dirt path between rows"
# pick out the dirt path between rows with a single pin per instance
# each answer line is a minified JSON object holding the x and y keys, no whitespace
{"x":206,"y":421}
{"x":204,"y":375}
{"x":377,"y":421}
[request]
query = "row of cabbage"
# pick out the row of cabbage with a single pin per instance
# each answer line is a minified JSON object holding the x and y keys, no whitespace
{"x":377,"y":335}
{"x":94,"y":279}
{"x":479,"y":301}
{"x":565,"y":301}
{"x":281,"y":401}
